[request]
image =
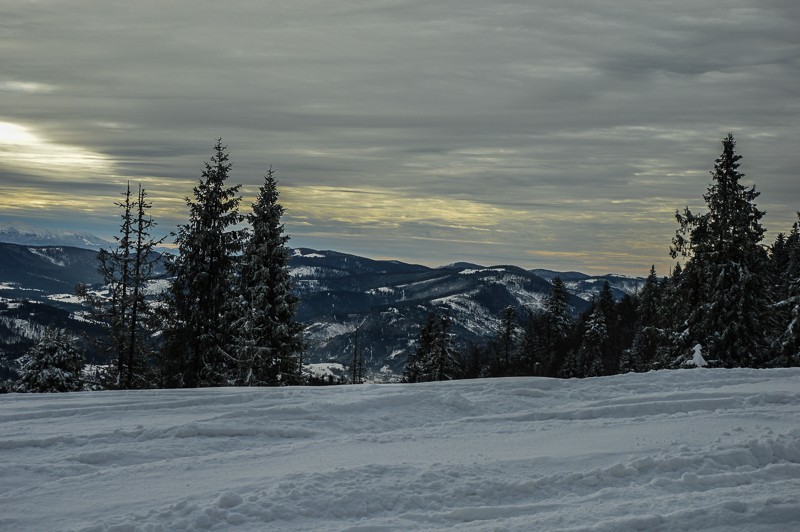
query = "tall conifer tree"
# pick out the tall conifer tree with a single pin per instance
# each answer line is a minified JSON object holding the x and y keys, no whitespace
{"x":433,"y":359}
{"x":267,"y":338}
{"x":595,"y":345}
{"x":556,"y":325}
{"x":197,"y":304}
{"x":725,"y":282}
{"x":138,"y":330}
{"x":505,"y":343}
{"x":649,"y":334}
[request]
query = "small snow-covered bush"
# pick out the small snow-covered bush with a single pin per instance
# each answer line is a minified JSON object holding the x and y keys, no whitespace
{"x":52,"y":365}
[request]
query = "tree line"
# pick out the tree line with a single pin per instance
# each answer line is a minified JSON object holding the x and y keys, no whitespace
{"x":733,"y":299}
{"x":228,"y":315}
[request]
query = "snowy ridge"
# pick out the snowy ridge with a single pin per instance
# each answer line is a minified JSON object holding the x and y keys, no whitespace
{"x":588,"y":287}
{"x":682,"y":450}
{"x":25,"y":234}
{"x":470,"y":271}
{"x":54,"y":256}
{"x":471,"y":315}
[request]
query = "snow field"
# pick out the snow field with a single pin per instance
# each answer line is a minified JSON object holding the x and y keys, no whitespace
{"x":682,"y":450}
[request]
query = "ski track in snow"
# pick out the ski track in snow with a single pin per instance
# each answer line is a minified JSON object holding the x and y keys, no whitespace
{"x":674,"y":450}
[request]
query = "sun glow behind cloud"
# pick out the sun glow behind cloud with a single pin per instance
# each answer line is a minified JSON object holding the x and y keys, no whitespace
{"x":27,"y":151}
{"x":27,"y":87}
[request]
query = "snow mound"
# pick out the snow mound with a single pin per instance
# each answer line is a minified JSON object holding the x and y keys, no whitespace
{"x":697,"y":357}
{"x":681,"y":450}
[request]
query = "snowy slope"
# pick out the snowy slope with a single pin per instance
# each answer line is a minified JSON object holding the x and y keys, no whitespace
{"x":389,"y":300}
{"x":683,"y":450}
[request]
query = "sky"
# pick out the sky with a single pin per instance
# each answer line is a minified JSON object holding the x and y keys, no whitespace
{"x":542,"y":133}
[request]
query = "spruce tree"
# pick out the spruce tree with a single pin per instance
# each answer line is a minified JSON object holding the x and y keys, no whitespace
{"x":649,"y":296}
{"x":54,"y":364}
{"x":357,"y":365}
{"x":572,"y":366}
{"x":444,"y":364}
{"x":649,"y":334}
{"x":611,"y":347}
{"x":725,"y":279}
{"x":433,"y":359}
{"x":556,"y":325}
{"x":505,"y":343}
{"x":267,"y":338}
{"x":418,"y":362}
{"x":529,"y":348}
{"x":412,"y":370}
{"x":198,"y":301}
{"x":594,"y":345}
{"x":672,"y":336}
{"x":786,"y":347}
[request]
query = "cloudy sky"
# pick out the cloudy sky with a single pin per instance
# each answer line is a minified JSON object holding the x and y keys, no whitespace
{"x":544,"y":133}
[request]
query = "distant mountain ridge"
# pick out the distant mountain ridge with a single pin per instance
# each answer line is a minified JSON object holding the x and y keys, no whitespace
{"x":29,"y":235}
{"x":385,"y":300}
{"x":47,"y":269}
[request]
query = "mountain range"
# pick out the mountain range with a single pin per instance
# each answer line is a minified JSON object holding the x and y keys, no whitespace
{"x":19,"y":233}
{"x":388,"y":301}
{"x":344,"y":299}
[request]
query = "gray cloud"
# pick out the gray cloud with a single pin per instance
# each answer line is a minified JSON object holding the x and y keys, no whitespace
{"x":578,"y":125}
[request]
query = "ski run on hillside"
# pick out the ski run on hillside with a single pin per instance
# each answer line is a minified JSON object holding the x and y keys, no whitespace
{"x":699,"y":449}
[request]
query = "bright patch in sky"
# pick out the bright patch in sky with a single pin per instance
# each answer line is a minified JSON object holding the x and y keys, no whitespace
{"x":30,"y":152}
{"x":14,"y":134}
{"x":28,"y":87}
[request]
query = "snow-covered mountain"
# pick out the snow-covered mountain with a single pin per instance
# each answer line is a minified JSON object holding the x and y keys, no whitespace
{"x":37,"y":289}
{"x":29,"y":235}
{"x":47,"y":269}
{"x":387,"y":301}
{"x":588,"y":286}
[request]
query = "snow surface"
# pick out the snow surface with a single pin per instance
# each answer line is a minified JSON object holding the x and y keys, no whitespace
{"x":312,"y":255}
{"x":696,"y":449}
{"x":10,"y":303}
{"x":157,"y":286}
{"x":482,"y":270}
{"x":314,"y":271}
{"x":65,"y":298}
{"x":16,"y":286}
{"x":381,"y":290}
{"x":325,"y":369}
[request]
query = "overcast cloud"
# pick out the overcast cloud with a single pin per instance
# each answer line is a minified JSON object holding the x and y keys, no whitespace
{"x":560,"y":134}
